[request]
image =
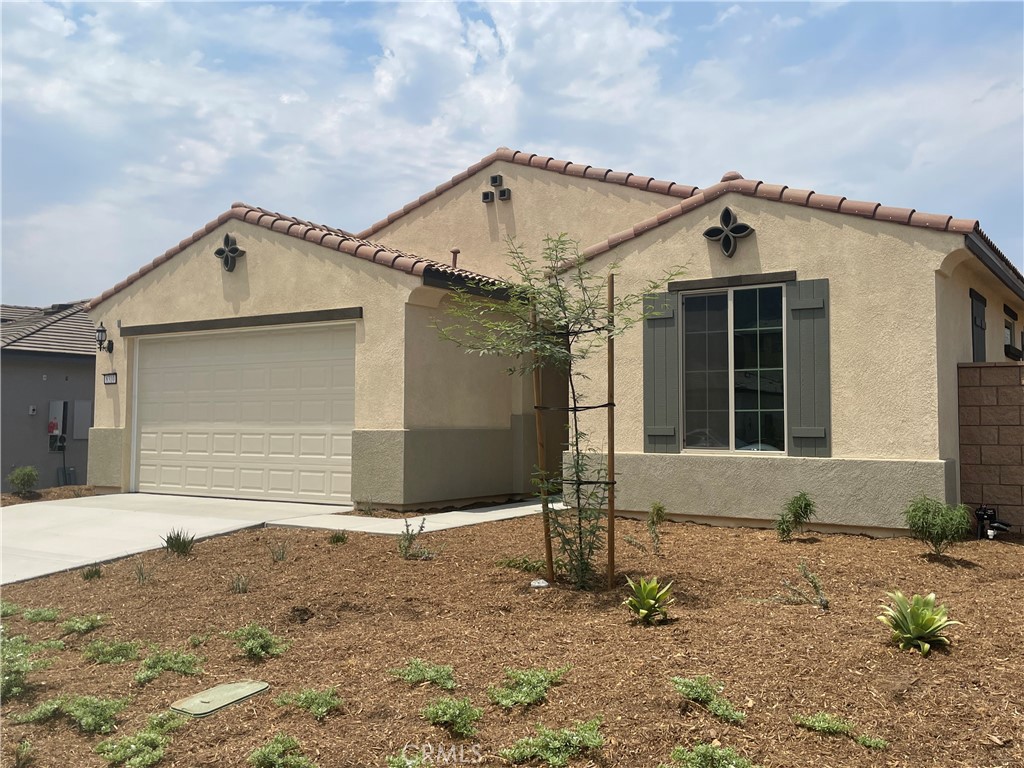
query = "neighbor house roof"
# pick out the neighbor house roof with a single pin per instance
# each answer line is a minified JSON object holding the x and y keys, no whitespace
{"x":320,"y":234}
{"x":10,"y":313}
{"x":694,"y":197}
{"x":60,"y":329}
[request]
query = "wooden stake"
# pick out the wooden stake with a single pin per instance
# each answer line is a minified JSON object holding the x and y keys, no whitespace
{"x":538,"y":421}
{"x":611,"y":431}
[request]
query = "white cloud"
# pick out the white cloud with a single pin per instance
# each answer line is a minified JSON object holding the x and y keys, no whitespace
{"x":722,"y":17}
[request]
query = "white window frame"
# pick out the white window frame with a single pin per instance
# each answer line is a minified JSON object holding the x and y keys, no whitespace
{"x":729,"y":291}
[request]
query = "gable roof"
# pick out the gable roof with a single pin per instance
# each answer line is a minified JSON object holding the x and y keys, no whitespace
{"x":694,"y":197}
{"x":320,"y":234}
{"x":60,"y":329}
{"x":10,"y":313}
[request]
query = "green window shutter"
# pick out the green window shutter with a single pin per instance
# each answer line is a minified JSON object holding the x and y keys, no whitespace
{"x":808,"y":402}
{"x":661,"y":373}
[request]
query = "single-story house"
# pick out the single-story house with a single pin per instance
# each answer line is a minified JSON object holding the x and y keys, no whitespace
{"x":812,"y":343}
{"x":47,"y":373}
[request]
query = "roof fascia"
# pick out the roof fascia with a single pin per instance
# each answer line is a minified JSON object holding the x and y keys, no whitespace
{"x":987,"y":256}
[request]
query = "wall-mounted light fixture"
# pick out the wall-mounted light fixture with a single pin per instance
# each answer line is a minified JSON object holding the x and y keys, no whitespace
{"x":487,"y":197}
{"x":103,"y":344}
{"x":505,"y":194}
{"x":496,"y":180}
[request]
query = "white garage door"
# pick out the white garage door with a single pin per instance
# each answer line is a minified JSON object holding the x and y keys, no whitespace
{"x":255,"y":414}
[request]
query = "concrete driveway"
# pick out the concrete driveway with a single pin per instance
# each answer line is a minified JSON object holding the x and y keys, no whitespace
{"x":50,"y":536}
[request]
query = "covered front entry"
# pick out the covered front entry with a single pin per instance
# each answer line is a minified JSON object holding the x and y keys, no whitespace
{"x":251,"y":414}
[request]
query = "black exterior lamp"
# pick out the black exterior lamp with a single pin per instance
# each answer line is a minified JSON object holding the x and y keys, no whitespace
{"x":102,"y":342}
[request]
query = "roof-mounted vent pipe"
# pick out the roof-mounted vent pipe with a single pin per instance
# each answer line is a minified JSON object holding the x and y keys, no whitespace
{"x":455,"y":257}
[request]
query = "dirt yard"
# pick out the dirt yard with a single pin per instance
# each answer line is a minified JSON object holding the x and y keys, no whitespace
{"x":353,"y":611}
{"x":47,"y":494}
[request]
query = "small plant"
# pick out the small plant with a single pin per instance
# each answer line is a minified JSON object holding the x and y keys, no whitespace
{"x":89,"y":713}
{"x":526,"y":686}
{"x":239,"y":584}
{"x":916,"y":623}
{"x":456,"y":715}
{"x":707,"y":692}
{"x":257,"y":643}
{"x":142,"y":576}
{"x":938,"y":525}
{"x":158,"y":662}
{"x":556,"y":748}
{"x":338,"y":537}
{"x":522,"y":563}
{"x":278,"y":551}
{"x":179,"y":542}
{"x":655,"y":518}
{"x":794,"y":516}
{"x":635,"y":543}
{"x":280,"y":752}
{"x":407,"y":546}
{"x":872,"y":742}
{"x":145,"y":748}
{"x":82,"y":625}
{"x":707,"y":756}
{"x":104,"y":652}
{"x":9,"y":609}
{"x":92,"y":572}
{"x":23,"y":480}
{"x":194,"y":641}
{"x":823,"y":722}
{"x":417,"y":671}
{"x":649,"y":600}
{"x":23,"y":754}
{"x":16,"y":662}
{"x":403,"y":760}
{"x":797,"y":595}
{"x":318,"y":703}
{"x":40,"y":614}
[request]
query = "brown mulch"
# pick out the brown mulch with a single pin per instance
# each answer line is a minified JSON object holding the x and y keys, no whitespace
{"x":48,"y":494}
{"x":353,"y":611}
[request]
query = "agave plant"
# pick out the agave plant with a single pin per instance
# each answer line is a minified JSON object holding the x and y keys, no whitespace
{"x":916,"y":623}
{"x":649,"y":600}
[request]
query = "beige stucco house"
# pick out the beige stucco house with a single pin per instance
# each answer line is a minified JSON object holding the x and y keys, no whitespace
{"x":816,"y":351}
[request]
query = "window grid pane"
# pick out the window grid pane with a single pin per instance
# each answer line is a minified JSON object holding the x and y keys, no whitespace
{"x":706,"y":371}
{"x":758,"y":382}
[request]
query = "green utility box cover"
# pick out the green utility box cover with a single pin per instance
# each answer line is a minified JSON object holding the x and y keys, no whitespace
{"x":213,"y":699}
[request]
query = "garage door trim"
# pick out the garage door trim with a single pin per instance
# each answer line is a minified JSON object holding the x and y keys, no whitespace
{"x":254,"y":321}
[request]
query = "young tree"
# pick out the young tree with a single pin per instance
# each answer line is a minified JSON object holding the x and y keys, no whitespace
{"x":554,"y":314}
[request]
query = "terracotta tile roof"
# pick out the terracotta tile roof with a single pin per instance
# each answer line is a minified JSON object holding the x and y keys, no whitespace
{"x":60,"y":329}
{"x":734,"y":182}
{"x":320,"y":234}
{"x":564,"y":167}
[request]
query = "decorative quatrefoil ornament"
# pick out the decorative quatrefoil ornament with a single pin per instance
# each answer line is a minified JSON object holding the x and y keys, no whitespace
{"x":729,"y":233}
{"x":229,"y":253}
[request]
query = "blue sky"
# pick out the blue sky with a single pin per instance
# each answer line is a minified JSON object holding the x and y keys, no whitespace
{"x":127,"y":126}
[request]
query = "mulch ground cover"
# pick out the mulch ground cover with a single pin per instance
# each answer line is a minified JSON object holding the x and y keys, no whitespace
{"x":47,"y":494}
{"x":354,"y":611}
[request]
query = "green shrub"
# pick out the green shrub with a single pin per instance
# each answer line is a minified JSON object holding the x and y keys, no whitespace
{"x":522,"y":563}
{"x":239,"y":584}
{"x":112,"y":652}
{"x":17,"y":662}
{"x":257,"y":643}
{"x":407,"y":546}
{"x":280,"y":752}
{"x":318,"y":703}
{"x":823,"y":722}
{"x":92,"y":572}
{"x":938,"y":525}
{"x":278,"y":551}
{"x":649,"y":600}
{"x":797,"y":595}
{"x":707,"y":756}
{"x":916,"y":623}
{"x":707,"y":692}
{"x":40,"y":614}
{"x":158,"y":662}
{"x":456,"y":715}
{"x":82,"y":625}
{"x":89,"y":713}
{"x":796,"y":513}
{"x":655,"y":518}
{"x":872,"y":742}
{"x":23,"y":480}
{"x":145,"y":748}
{"x":142,"y":576}
{"x":556,"y":748}
{"x":526,"y":686}
{"x":418,"y":671}
{"x":179,"y":542}
{"x":338,"y":537}
{"x":23,"y":754}
{"x":402,"y":760}
{"x":194,"y":641}
{"x":9,"y":609}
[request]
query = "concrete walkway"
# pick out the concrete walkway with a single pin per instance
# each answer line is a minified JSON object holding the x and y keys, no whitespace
{"x":52,"y":536}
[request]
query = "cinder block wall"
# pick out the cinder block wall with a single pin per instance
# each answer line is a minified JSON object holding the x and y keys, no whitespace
{"x":992,"y":438}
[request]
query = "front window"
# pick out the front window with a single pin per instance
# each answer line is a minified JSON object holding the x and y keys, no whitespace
{"x":733,"y":370}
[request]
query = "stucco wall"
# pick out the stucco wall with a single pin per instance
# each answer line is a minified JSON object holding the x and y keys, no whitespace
{"x":278,"y":274}
{"x":31,"y":379}
{"x":882,"y":326}
{"x":543,"y":203}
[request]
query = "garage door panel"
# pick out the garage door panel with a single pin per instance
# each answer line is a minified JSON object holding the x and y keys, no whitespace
{"x":251,"y":414}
